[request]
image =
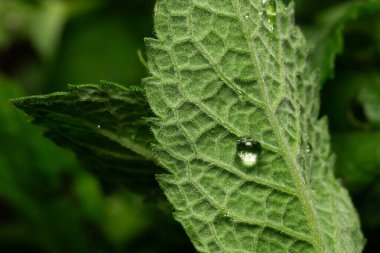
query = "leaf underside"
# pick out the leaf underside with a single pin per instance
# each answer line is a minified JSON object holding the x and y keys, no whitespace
{"x":104,"y":125}
{"x":222,"y":70}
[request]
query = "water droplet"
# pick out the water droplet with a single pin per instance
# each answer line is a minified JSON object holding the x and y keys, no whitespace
{"x":270,"y":12}
{"x":248,"y":151}
{"x":309,"y":148}
{"x":271,"y":9}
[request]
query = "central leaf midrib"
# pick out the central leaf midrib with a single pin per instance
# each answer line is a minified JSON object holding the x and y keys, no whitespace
{"x":290,"y":160}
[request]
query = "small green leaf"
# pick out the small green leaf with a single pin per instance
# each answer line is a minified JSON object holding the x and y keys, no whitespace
{"x":223,"y":71}
{"x":104,"y":125}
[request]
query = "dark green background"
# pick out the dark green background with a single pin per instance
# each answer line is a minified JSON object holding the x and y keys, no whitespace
{"x":49,"y":203}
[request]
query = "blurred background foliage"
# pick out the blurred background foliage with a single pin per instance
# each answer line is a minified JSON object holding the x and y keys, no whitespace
{"x":49,"y":203}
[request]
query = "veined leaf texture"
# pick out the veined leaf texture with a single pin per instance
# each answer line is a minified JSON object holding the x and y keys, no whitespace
{"x":225,"y":71}
{"x":104,"y":124}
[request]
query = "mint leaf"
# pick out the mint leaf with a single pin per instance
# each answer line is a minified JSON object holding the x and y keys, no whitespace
{"x":249,"y":161}
{"x":326,"y":37}
{"x":104,"y":125}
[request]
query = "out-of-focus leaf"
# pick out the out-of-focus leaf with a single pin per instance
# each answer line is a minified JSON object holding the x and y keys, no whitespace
{"x":354,"y":111}
{"x":104,"y":125}
{"x":124,"y":220}
{"x":369,"y":96}
{"x":15,"y":17}
{"x":353,"y":107}
{"x":49,"y":204}
{"x":47,"y":26}
{"x":40,"y":21}
{"x":351,"y":101}
{"x":96,"y":48}
{"x":358,"y":164}
{"x":89,"y":196}
{"x":49,"y":20}
{"x":358,"y":160}
{"x":24,"y":146}
{"x":31,"y":169}
{"x":370,"y":207}
{"x":362,"y":45}
{"x":327,"y":36}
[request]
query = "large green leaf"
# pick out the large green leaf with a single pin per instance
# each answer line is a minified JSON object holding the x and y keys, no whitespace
{"x":249,"y":161}
{"x":104,"y":124}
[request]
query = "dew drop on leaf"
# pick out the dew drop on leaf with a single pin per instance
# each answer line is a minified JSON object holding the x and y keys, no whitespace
{"x":270,"y":8}
{"x":270,"y":11}
{"x":247,"y":152}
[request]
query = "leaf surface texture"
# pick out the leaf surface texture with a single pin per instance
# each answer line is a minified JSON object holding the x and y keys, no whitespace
{"x":105,"y":125}
{"x":225,"y":70}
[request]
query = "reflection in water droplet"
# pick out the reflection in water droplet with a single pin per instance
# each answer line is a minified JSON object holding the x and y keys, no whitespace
{"x":309,"y":148}
{"x":271,"y":9}
{"x":270,"y":12}
{"x":248,"y":152}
